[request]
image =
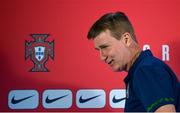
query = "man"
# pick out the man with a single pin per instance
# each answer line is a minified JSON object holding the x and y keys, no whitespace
{"x":150,"y":84}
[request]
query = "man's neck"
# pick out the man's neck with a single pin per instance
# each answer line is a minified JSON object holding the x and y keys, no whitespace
{"x":134,"y":57}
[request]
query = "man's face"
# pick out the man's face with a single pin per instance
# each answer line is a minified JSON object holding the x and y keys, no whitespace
{"x":112,"y":51}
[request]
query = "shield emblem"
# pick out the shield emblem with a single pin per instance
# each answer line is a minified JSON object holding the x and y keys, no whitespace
{"x":39,"y":52}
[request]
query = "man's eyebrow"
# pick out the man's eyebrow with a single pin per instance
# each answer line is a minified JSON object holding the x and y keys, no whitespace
{"x":101,"y":47}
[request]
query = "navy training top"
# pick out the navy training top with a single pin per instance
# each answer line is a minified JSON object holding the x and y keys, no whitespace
{"x":150,"y":84}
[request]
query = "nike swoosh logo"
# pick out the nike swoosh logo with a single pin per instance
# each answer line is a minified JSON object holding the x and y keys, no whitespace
{"x":48,"y":101}
{"x":118,"y":100}
{"x":81,"y":100}
{"x":16,"y":101}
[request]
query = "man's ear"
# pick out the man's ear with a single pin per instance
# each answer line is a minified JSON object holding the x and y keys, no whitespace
{"x":126,"y":38}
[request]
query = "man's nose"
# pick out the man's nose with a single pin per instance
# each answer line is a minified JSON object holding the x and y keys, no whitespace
{"x":102,"y":56}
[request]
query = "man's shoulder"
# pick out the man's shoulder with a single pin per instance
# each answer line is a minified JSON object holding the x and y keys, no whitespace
{"x":151,"y":61}
{"x":147,"y":62}
{"x":153,"y":67}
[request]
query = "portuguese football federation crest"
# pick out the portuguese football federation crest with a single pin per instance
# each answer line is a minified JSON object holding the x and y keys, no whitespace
{"x":39,"y":51}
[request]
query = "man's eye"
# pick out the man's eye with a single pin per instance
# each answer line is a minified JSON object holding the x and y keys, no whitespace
{"x":103,"y":47}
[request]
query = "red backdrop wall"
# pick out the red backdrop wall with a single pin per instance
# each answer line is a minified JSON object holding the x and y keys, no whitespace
{"x":76,"y":64}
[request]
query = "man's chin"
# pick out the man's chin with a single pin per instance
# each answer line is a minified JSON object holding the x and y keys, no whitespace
{"x":116,"y":69}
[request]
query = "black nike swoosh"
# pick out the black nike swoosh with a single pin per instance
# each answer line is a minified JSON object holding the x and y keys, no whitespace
{"x":48,"y":101}
{"x":81,"y":100}
{"x":16,"y":101}
{"x":118,"y":100}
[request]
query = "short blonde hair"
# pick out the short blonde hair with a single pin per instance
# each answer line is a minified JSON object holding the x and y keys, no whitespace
{"x":118,"y":23}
